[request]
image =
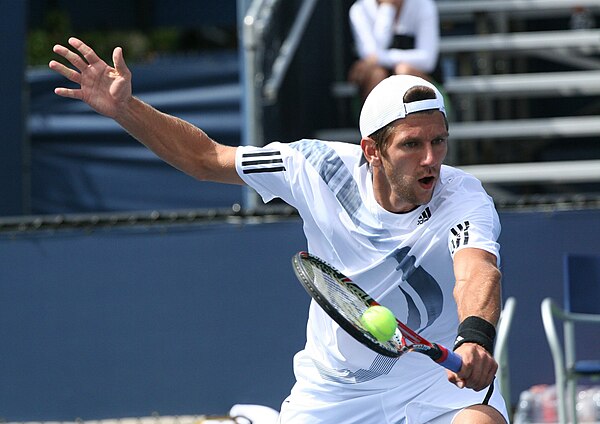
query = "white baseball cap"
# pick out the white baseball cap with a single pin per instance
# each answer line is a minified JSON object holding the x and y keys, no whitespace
{"x":385,"y":103}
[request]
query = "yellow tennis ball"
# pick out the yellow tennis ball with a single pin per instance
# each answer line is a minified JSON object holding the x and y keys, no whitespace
{"x":380,"y":322}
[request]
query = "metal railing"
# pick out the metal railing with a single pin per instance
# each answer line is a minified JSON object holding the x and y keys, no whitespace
{"x":262,"y":84}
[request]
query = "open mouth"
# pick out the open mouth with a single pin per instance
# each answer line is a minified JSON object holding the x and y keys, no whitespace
{"x":427,"y":182}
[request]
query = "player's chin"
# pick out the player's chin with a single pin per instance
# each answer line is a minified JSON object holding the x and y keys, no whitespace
{"x":423,"y":196}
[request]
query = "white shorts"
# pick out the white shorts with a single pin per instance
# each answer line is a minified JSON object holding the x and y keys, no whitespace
{"x":437,"y":401}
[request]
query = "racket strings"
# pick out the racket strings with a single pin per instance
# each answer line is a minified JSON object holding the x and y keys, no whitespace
{"x":350,"y":303}
{"x":343,"y":300}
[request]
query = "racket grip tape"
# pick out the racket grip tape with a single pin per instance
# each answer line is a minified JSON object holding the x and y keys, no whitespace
{"x":448,"y":359}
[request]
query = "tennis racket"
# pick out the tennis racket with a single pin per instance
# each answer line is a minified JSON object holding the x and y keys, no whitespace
{"x":345,"y":302}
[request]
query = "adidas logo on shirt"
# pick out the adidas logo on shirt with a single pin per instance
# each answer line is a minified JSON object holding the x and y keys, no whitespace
{"x":425,"y":215}
{"x":264,"y":161}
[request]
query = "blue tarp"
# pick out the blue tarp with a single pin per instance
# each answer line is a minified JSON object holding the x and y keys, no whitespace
{"x":82,"y":162}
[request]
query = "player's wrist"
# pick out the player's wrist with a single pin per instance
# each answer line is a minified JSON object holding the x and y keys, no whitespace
{"x":130,"y":111}
{"x":476,"y":330}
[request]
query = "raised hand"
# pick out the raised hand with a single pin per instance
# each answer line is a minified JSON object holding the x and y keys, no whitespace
{"x":106,"y":89}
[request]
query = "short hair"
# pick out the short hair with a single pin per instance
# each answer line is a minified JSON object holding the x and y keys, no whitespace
{"x":419,"y":92}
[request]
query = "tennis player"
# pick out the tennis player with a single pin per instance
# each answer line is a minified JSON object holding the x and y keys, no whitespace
{"x":419,"y":236}
{"x":394,"y":37}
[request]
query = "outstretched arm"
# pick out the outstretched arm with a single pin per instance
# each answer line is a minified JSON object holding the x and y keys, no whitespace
{"x":108,"y":91}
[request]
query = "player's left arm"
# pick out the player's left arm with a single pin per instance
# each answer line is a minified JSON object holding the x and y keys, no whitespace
{"x":477,"y":293}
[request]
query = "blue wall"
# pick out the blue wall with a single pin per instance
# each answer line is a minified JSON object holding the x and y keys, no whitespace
{"x":194,"y":318}
{"x":126,"y":322}
{"x":13,"y":161}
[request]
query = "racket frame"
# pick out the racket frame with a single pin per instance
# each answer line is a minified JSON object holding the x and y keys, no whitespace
{"x":405,"y":339}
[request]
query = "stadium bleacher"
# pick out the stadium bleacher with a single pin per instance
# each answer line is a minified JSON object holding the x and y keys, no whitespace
{"x":522,"y":87}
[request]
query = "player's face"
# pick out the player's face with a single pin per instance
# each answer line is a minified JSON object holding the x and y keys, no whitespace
{"x":407,"y":171}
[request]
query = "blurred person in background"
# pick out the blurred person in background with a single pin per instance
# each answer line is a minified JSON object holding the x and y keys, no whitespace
{"x":394,"y":37}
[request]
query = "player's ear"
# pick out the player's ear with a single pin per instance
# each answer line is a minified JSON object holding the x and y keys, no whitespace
{"x":370,"y":151}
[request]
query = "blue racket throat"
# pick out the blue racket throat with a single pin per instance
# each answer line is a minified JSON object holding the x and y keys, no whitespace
{"x":448,"y":359}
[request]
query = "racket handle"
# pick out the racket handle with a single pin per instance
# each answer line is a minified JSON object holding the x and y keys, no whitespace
{"x":449,"y":359}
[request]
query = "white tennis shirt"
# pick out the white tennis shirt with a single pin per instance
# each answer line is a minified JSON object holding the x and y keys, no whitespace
{"x":404,"y":261}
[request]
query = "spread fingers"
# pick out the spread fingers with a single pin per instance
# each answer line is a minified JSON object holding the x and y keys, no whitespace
{"x":66,"y":72}
{"x":71,"y":56}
